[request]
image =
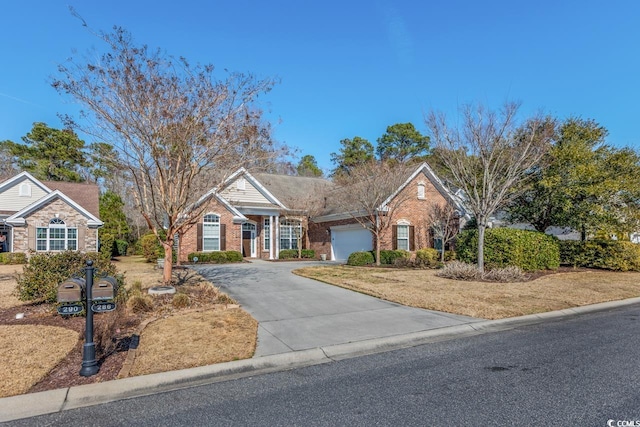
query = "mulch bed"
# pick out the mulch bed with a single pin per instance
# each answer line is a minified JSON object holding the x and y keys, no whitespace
{"x":66,"y":374}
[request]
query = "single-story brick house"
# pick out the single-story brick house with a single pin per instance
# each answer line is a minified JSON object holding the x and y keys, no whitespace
{"x":44,"y":216}
{"x":261,"y":214}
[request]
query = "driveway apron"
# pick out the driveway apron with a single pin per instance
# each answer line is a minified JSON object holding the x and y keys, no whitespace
{"x":296,"y":313}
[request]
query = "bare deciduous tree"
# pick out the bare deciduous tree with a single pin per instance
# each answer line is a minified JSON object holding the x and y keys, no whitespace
{"x":444,"y":224}
{"x":487,"y":155}
{"x":178,"y":130}
{"x":369,"y":194}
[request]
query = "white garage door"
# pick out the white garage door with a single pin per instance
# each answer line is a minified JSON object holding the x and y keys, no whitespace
{"x":345,"y":241}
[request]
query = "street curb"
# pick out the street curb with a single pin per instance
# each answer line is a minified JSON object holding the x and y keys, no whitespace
{"x":46,"y":402}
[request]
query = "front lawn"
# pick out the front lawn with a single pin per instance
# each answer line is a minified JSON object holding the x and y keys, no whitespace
{"x":423,"y":289}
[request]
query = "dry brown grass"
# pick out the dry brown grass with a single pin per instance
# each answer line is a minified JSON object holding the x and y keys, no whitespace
{"x":195,"y":339}
{"x":204,"y":333}
{"x":423,"y":289}
{"x":29,"y":352}
{"x":8,"y":286}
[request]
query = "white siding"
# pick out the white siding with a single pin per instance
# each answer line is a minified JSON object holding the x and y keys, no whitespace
{"x":249,"y":195}
{"x":11,"y":200}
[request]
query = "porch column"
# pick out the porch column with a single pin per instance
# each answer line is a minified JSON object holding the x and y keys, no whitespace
{"x":277,"y":236}
{"x":271,"y":233}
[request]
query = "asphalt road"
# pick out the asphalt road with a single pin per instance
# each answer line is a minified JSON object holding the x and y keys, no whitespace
{"x":584,"y":371}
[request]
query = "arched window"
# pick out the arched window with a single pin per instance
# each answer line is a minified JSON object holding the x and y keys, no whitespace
{"x":211,"y":232}
{"x":56,"y":237}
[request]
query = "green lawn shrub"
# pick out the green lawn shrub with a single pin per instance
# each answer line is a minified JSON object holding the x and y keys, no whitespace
{"x":529,"y":250}
{"x":151,"y":247}
{"x":107,"y":245}
{"x":613,"y":255}
{"x":427,"y":257}
{"x":293,"y":253}
{"x":216,"y":257}
{"x":389,"y":257}
{"x":121,"y":247}
{"x":13,"y":258}
{"x":44,"y":272}
{"x":360,"y":258}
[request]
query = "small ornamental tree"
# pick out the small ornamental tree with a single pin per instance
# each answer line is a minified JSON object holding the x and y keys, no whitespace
{"x":178,"y":129}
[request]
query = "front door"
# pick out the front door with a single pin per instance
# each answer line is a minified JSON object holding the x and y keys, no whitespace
{"x":249,"y":240}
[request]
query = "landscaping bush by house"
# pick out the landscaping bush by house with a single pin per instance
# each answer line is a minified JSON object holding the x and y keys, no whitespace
{"x":427,"y":257}
{"x":293,"y":253}
{"x":151,"y":247}
{"x":360,"y":258}
{"x":13,"y":258}
{"x":529,"y":250}
{"x":218,"y":257}
{"x":121,"y":247}
{"x":44,"y":272}
{"x":389,"y":257}
{"x":606,"y":254}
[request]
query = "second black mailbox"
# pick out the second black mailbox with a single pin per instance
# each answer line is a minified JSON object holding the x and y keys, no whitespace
{"x":104,"y":288}
{"x":71,"y":290}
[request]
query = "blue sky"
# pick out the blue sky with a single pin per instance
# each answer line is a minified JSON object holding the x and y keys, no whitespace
{"x":352,"y":68}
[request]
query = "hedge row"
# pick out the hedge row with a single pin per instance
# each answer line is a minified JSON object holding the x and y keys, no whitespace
{"x":529,"y":250}
{"x":387,"y":257}
{"x":293,"y":253}
{"x":606,"y":254}
{"x":220,"y":257}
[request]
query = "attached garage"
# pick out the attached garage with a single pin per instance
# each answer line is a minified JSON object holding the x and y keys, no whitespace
{"x":346,"y":239}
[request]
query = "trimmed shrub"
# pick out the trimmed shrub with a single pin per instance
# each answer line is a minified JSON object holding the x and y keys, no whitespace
{"x":288,"y":254}
{"x":460,"y":271}
{"x":13,"y":258}
{"x":360,"y":258}
{"x":218,"y":257}
{"x":41,"y":277}
{"x":529,"y":250}
{"x":606,"y":254}
{"x":140,"y":303}
{"x":427,"y":257}
{"x":308,"y":253}
{"x":389,"y":257}
{"x":234,"y":256}
{"x":151,"y":247}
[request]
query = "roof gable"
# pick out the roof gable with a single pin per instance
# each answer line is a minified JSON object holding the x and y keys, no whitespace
{"x":18,"y":217}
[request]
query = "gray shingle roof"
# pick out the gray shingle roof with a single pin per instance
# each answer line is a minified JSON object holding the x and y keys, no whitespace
{"x":294,"y":191}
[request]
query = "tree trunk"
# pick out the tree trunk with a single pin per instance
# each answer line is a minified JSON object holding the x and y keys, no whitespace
{"x":168,"y":256}
{"x":377,"y":234}
{"x":481,"y":229}
{"x":442,"y":252}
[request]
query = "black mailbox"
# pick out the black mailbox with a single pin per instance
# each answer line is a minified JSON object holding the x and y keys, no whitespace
{"x":104,"y":288}
{"x":71,"y":290}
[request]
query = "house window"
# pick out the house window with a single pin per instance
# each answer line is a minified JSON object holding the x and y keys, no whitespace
{"x":403,"y":237}
{"x":241,"y":184}
{"x":56,"y":237}
{"x":266,"y":231}
{"x":24,"y":190}
{"x":421,"y":191}
{"x":211,"y":233}
{"x":290,"y":232}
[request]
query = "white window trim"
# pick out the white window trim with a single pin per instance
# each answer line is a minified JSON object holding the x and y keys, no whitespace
{"x":403,"y":224}
{"x":24,"y":190}
{"x":57,"y":224}
{"x":289,"y":227}
{"x":215,"y":235}
{"x":266,"y":235}
{"x":421,"y":191}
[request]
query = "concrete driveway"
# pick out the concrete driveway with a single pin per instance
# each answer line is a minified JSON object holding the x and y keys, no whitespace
{"x":296,"y":313}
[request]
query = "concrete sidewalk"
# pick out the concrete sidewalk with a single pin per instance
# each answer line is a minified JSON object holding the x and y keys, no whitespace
{"x":295,"y":313}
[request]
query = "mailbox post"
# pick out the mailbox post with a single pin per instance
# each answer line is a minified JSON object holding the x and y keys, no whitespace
{"x":89,"y":362}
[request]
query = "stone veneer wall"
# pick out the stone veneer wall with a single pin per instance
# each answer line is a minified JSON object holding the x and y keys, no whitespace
{"x":87,"y":237}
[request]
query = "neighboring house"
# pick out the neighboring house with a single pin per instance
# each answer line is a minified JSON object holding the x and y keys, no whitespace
{"x":48,"y":216}
{"x":262,"y":214}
